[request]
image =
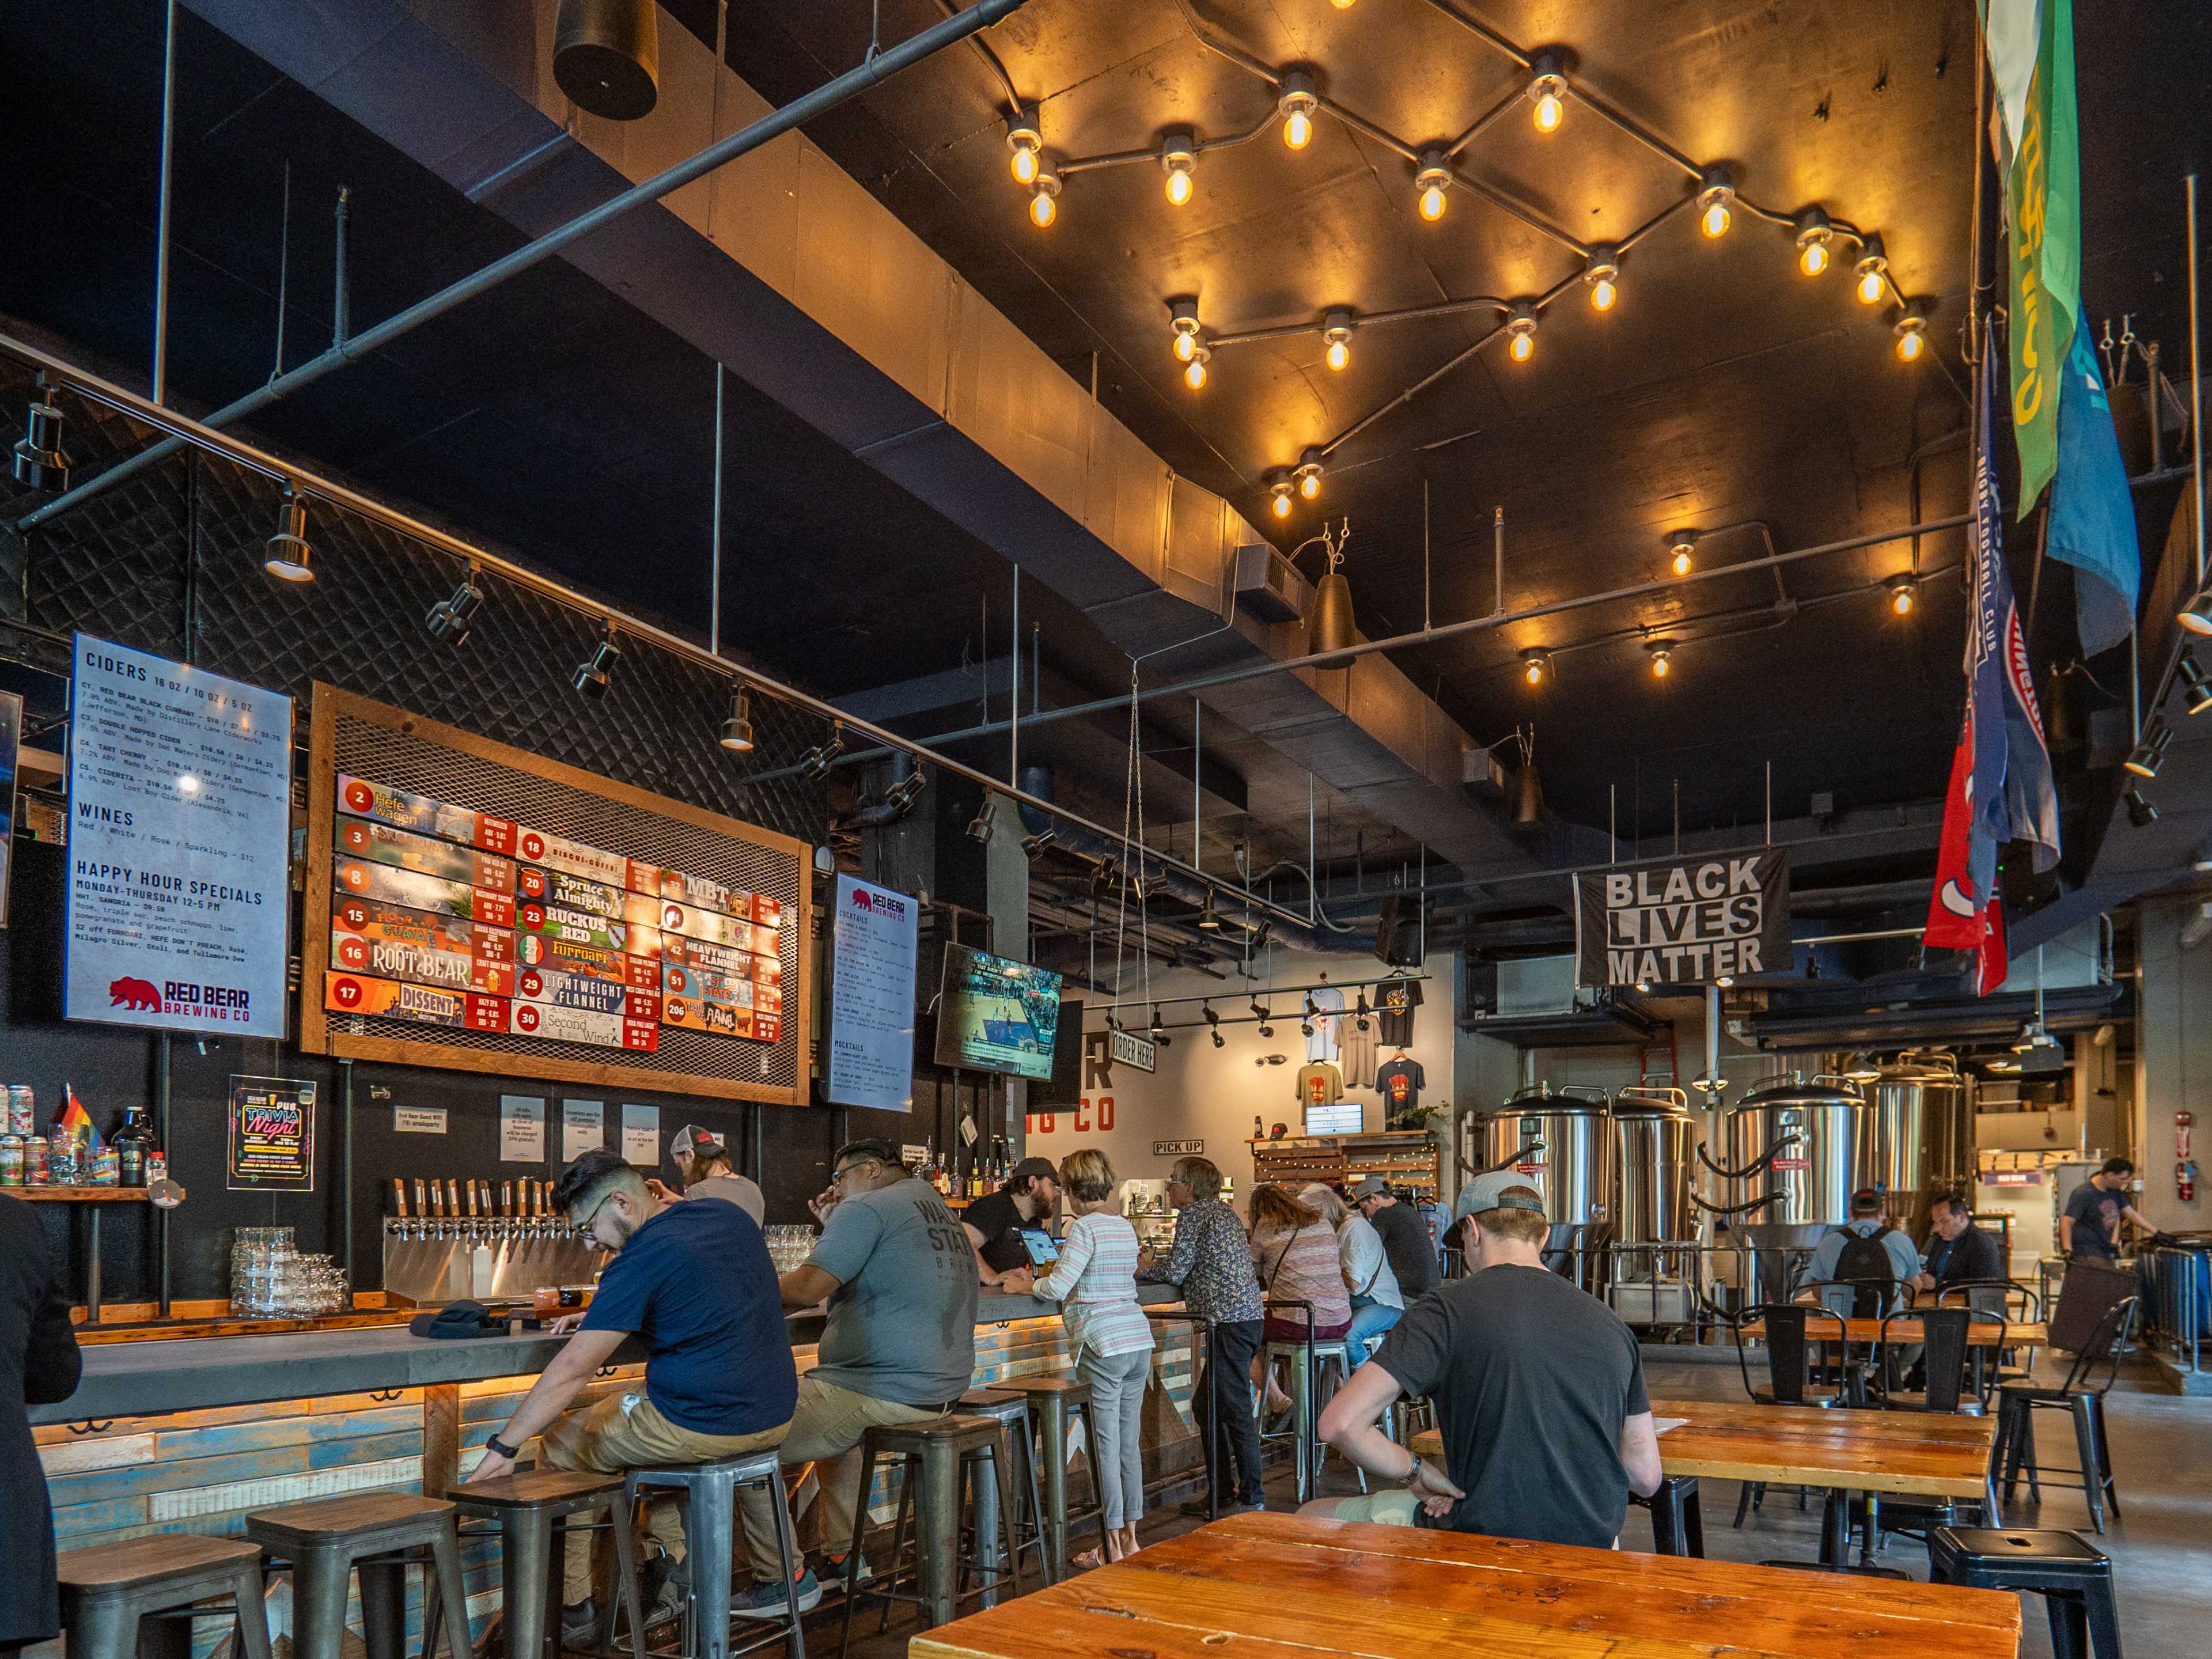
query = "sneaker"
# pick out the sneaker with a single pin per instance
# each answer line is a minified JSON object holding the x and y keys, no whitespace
{"x":580,"y":1621}
{"x":669,"y":1600}
{"x":759,"y":1601}
{"x":1199,"y":1509}
{"x":833,"y":1570}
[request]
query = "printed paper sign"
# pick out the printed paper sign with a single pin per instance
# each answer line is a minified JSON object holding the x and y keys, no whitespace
{"x":424,"y":816}
{"x":361,"y":878}
{"x":180,"y":810}
{"x":521,"y":1129}
{"x":418,"y":1120}
{"x":271,"y":1135}
{"x":641,"y":1135}
{"x":422,"y":1004}
{"x":583,"y":1129}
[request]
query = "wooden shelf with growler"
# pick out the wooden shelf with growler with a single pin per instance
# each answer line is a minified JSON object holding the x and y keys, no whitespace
{"x":1407,"y":1158}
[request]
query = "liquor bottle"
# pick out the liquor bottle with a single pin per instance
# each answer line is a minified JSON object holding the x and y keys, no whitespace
{"x":131,"y":1143}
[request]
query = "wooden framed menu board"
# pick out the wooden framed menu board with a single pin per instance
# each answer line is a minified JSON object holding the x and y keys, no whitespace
{"x":477,"y":907}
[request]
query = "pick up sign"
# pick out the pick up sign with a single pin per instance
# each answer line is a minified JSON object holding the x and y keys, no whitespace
{"x":1682,"y":921}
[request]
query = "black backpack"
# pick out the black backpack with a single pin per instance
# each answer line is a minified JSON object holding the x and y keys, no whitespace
{"x":1864,"y":1260}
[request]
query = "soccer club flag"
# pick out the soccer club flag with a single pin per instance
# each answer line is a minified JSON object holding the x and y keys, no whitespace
{"x":2092,"y":515}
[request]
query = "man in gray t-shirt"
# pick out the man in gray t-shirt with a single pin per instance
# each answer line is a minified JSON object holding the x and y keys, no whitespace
{"x":895,"y":1268}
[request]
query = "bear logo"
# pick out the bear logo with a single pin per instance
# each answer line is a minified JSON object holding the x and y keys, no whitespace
{"x":133,"y":993}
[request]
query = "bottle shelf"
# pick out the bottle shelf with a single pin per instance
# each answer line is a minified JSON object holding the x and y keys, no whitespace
{"x":77,"y":1194}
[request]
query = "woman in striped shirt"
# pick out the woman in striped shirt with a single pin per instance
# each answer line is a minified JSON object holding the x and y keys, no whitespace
{"x":1095,"y":1278}
{"x":1294,"y":1252}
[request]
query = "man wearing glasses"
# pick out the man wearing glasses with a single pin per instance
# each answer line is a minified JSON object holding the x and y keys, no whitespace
{"x":895,"y":1266}
{"x":694,"y":1283}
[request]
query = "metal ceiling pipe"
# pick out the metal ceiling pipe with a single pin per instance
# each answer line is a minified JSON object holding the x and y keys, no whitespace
{"x":799,"y":111}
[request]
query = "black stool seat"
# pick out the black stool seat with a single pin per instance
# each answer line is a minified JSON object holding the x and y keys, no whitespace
{"x":1677,"y":1526}
{"x":2073,"y":1575}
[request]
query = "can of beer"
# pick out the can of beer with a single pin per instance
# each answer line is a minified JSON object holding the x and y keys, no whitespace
{"x":11,"y":1160}
{"x":22,"y":1118}
{"x":34,"y":1161}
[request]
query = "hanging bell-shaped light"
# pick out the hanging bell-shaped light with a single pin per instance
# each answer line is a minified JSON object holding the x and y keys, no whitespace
{"x":1526,"y":790}
{"x":607,"y":56}
{"x":1331,"y":629}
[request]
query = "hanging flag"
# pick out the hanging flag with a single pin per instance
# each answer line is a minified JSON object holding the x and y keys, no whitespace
{"x":2093,"y":513}
{"x":2013,"y":29}
{"x":76,"y":1120}
{"x":1991,"y":962}
{"x":1965,"y":859}
{"x":2043,"y":197}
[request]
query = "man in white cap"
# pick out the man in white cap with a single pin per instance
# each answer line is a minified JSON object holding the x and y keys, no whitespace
{"x":1539,"y":1392}
{"x":703,"y":1163}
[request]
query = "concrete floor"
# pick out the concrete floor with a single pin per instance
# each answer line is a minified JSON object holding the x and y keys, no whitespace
{"x":2160,"y":1546}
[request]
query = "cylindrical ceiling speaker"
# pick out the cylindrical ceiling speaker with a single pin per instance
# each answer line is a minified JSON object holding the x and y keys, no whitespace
{"x":1331,"y":628}
{"x":607,"y":56}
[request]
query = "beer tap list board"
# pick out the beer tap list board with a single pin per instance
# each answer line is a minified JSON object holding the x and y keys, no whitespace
{"x":446,"y":917}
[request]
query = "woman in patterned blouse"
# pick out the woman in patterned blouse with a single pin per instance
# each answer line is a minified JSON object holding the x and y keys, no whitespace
{"x":1095,"y":1278}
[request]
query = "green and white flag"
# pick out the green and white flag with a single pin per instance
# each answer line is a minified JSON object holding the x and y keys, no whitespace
{"x":2031,"y":49}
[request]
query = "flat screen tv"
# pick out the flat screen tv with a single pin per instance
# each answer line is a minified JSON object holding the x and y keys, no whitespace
{"x":994,"y":1015}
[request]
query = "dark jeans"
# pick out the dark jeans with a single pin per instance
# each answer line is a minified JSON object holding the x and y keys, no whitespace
{"x":1224,"y":1391}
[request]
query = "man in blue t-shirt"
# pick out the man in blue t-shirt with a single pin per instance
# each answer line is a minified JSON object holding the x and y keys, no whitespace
{"x":694,"y":1285}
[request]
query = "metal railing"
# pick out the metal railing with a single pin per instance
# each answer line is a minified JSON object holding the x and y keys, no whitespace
{"x":2177,"y":1299}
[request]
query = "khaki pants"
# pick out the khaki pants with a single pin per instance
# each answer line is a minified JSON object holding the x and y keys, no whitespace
{"x":826,"y":1429}
{"x":625,"y":1432}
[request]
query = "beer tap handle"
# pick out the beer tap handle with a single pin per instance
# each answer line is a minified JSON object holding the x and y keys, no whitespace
{"x":399,"y":1197}
{"x":421,"y":1204}
{"x":471,"y":1184}
{"x":437,"y":1201}
{"x":507,"y":1198}
{"x":452,"y":1198}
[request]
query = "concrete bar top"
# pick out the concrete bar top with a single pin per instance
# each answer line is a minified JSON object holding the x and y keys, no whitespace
{"x":142,"y":1379}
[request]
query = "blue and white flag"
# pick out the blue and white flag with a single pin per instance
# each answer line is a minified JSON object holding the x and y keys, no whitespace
{"x":2093,"y":513}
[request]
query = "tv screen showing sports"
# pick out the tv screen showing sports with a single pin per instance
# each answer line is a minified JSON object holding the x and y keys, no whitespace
{"x":994,"y":1015}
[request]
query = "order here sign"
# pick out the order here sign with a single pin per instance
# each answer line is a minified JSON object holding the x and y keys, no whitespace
{"x":1682,"y":921}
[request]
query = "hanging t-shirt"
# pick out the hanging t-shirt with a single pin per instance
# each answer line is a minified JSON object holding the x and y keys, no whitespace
{"x":1320,"y":1084}
{"x":1325,"y":1006}
{"x":1355,"y":1051}
{"x":1401,"y":1081}
{"x":1396,"y":1000}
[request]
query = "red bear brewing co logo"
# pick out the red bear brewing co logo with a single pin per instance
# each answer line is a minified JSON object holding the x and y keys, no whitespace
{"x":133,"y":993}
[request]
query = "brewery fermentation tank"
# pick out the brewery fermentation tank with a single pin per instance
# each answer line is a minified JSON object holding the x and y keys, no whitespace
{"x":1802,"y":1147}
{"x":1573,"y":1169}
{"x":1924,"y":1134}
{"x":1652,"y":1167}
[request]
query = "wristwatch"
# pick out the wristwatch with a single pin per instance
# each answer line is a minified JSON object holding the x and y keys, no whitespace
{"x":1412,"y":1473}
{"x":511,"y":1453}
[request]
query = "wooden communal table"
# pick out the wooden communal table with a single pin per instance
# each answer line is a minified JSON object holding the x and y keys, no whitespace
{"x":1911,"y":1454}
{"x":1286,"y":1586}
{"x":1981,"y":1334}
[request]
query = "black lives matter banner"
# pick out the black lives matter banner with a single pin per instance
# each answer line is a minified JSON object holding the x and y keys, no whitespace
{"x":1682,"y":921}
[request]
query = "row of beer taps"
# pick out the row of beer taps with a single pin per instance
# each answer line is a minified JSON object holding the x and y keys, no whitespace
{"x":524,"y":1209}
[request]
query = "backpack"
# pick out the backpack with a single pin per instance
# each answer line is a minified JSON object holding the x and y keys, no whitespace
{"x":1864,"y":1260}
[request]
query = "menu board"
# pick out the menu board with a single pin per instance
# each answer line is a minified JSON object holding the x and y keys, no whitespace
{"x":444,"y":914}
{"x":180,"y":828}
{"x":872,"y":1020}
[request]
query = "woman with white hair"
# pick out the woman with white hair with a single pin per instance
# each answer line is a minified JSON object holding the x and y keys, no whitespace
{"x":1377,"y":1301}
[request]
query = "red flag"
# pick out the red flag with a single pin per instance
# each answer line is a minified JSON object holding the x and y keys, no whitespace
{"x":1990,"y":958}
{"x":1955,"y":909}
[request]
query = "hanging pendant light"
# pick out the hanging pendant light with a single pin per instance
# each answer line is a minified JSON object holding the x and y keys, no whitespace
{"x":606,"y":57}
{"x":1331,"y":628}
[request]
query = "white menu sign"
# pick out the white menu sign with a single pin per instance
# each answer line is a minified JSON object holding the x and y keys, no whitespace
{"x":521,"y":1129}
{"x":180,"y":789}
{"x":872,"y":1020}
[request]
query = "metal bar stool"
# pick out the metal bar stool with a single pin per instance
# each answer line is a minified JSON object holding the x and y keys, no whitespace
{"x":1012,"y":1411}
{"x":1305,"y":1357}
{"x":1677,"y":1528}
{"x":1201,"y":1360}
{"x":708,"y":1492}
{"x":2073,"y":1576}
{"x":1054,"y":1400}
{"x":106,"y":1589}
{"x":934,"y":1454}
{"x":532,"y":1511}
{"x":377,"y":1536}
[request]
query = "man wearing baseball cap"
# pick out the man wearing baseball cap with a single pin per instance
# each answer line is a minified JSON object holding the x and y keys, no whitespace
{"x":995,"y":1223}
{"x":1539,"y":1392}
{"x":702,"y":1163}
{"x":1405,"y":1237}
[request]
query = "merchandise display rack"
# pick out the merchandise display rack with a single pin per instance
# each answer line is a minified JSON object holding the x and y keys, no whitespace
{"x":1404,"y":1158}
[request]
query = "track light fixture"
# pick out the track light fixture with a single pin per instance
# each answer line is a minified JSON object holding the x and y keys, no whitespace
{"x":1296,"y":103}
{"x":1033,"y":846}
{"x":289,"y":557}
{"x":2196,"y":615}
{"x":1911,"y":331}
{"x":597,"y":671}
{"x":1432,"y":181}
{"x":1662,"y":660}
{"x":1681,"y":546}
{"x":1266,"y":1016}
{"x":1193,"y":374}
{"x":1904,"y":593}
{"x":1359,"y":1013}
{"x":2149,"y":752}
{"x":1044,"y":196}
{"x":1521,"y":333}
{"x":1547,"y":91}
{"x":2140,"y":813}
{"x":1208,"y":918}
{"x":38,"y":460}
{"x":2195,"y":686}
{"x":1213,"y":1024}
{"x":1026,"y":141}
{"x":1179,"y":158}
{"x":1601,"y":271}
{"x":902,"y":795}
{"x":814,"y":764}
{"x":1308,"y":474}
{"x":1336,"y":332}
{"x":1536,"y":664}
{"x":1871,"y":274}
{"x":737,"y":730}
{"x":1716,"y":196}
{"x":450,"y":619}
{"x":1813,"y":234}
{"x":979,"y":827}
{"x":1278,"y":498}
{"x":1156,"y":1033}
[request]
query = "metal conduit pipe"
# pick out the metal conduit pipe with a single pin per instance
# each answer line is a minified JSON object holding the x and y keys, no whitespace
{"x":959,"y":27}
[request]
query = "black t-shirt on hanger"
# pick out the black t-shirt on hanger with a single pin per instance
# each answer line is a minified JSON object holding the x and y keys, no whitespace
{"x":1394,"y":1004}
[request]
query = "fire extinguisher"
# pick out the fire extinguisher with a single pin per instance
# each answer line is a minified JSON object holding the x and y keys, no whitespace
{"x":2185,"y":1169}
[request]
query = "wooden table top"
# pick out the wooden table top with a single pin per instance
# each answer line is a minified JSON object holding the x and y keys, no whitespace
{"x":1980,"y":1334}
{"x":1923,"y":1453}
{"x":1286,"y":1587}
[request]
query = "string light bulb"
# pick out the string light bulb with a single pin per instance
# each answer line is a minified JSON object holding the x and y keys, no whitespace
{"x":1295,"y":104}
{"x":1179,"y":156}
{"x":1183,"y":317}
{"x":1432,"y":181}
{"x":1662,"y":661}
{"x":1535,"y":665}
{"x":1904,"y":593}
{"x":1278,"y":502}
{"x":1601,"y":271}
{"x":1026,"y":142}
{"x":1813,"y":234}
{"x":1713,"y":202}
{"x":1680,"y":545}
{"x":1044,"y":198}
{"x":1547,"y":91}
{"x":1336,"y":331}
{"x":1872,"y":273}
{"x":1911,"y":331}
{"x":1308,"y":474}
{"x":1521,"y":333}
{"x":1193,"y":374}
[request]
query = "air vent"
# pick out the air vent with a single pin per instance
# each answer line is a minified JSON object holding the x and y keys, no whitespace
{"x":1268,"y":586}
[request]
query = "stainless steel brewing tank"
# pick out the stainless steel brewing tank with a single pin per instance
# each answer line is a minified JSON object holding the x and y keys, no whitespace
{"x":1924,"y":1134}
{"x":1575,"y":1169}
{"x":1652,"y":1138}
{"x":1810,"y":1181}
